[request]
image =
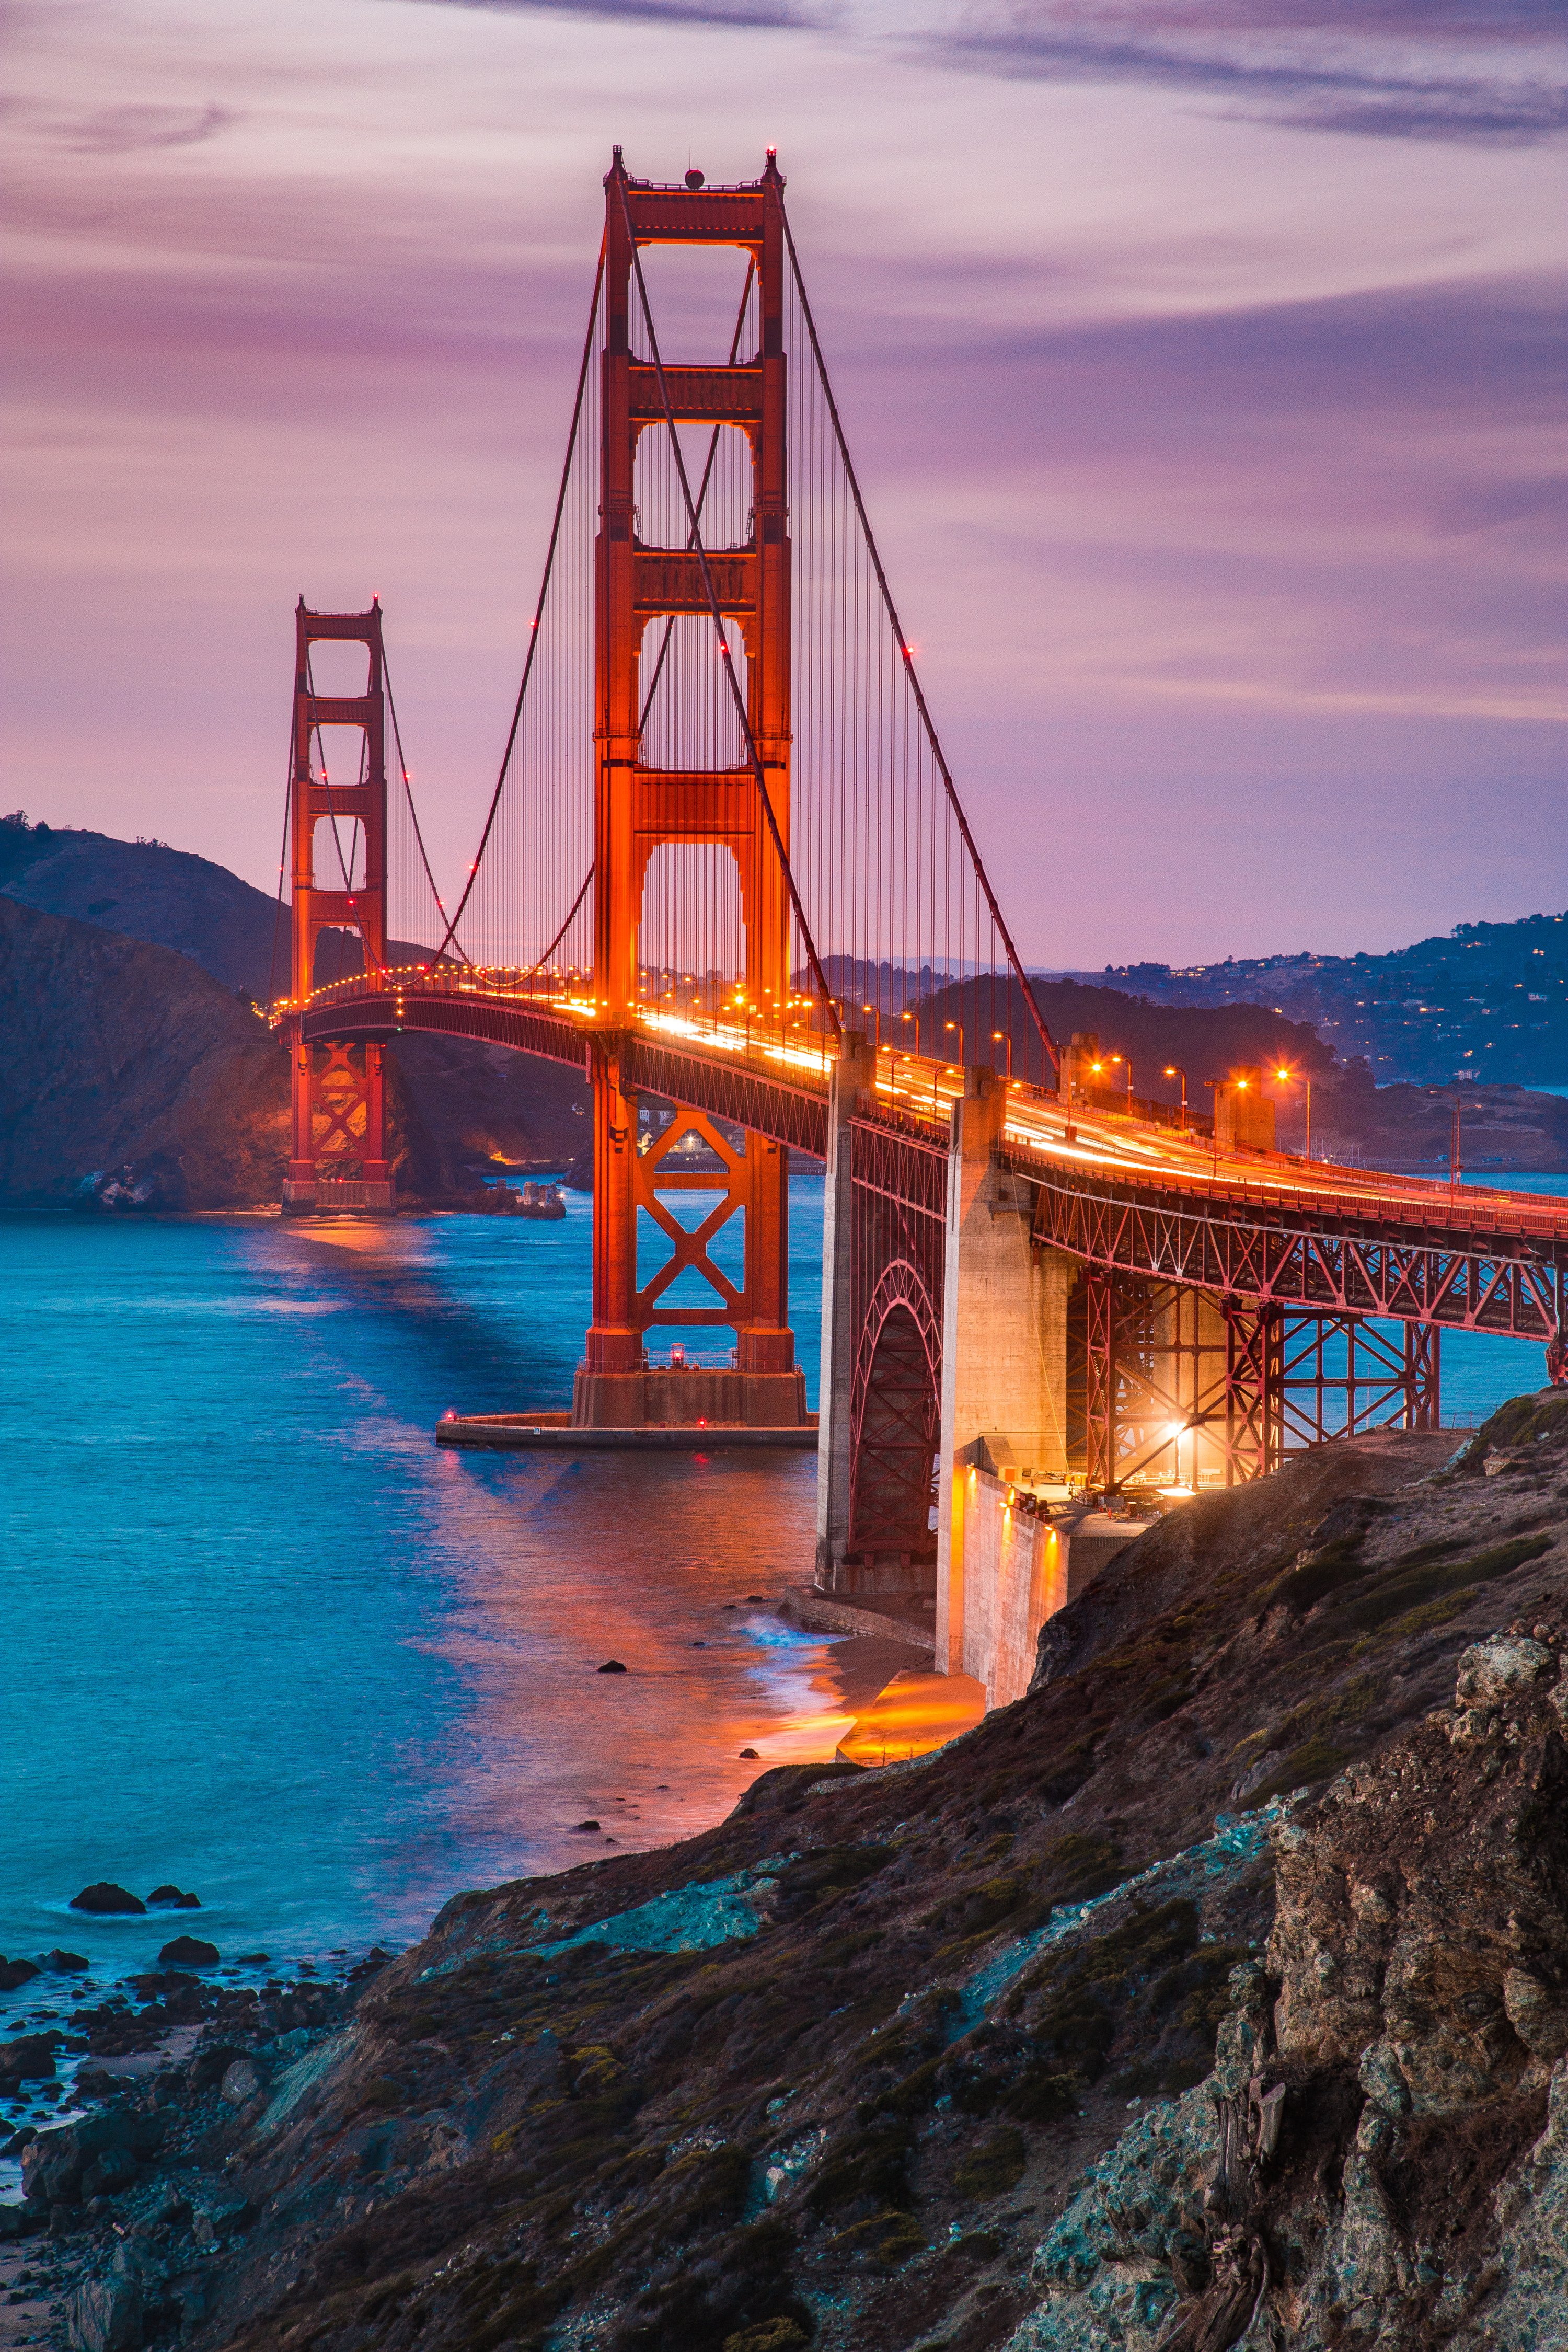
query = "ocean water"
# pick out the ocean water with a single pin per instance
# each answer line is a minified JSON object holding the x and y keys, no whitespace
{"x":261,"y":1637}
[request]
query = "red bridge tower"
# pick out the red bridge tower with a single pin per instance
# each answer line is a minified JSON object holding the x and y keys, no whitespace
{"x":339,"y":1156}
{"x":640,"y":808}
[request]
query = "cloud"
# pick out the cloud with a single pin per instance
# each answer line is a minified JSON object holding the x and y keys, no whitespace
{"x":1393,"y":69}
{"x":121,"y":129}
{"x":741,"y":15}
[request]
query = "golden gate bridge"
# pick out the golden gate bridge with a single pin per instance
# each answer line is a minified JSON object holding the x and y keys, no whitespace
{"x":725,"y":864}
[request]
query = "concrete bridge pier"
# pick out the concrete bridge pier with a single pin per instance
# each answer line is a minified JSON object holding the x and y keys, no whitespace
{"x":1004,"y":1405}
{"x":854,"y":1076}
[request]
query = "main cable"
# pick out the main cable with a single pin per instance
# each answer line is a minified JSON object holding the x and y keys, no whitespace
{"x":533,"y":626}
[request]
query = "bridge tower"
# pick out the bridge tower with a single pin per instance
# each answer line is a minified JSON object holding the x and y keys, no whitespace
{"x":641,"y":808}
{"x":338,"y":1159}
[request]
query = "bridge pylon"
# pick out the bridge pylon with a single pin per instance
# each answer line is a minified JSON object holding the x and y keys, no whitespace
{"x":643,"y":809}
{"x":338,"y":1155}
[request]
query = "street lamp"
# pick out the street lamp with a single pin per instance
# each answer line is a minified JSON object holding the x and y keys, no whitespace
{"x":959,"y":1026}
{"x":1284,"y":1073}
{"x":876,"y":1012}
{"x":916,"y":1019}
{"x":1005,"y":1037}
{"x":1174,"y":1070}
{"x":1128,"y":1059}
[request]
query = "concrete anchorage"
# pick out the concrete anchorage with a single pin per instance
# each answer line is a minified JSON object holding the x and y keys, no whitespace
{"x":1000,"y":1572}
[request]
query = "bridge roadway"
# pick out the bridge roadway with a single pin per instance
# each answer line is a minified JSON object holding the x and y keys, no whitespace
{"x":1262,"y":1228}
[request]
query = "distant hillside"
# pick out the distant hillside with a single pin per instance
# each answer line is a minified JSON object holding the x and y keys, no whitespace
{"x":126,"y":1070}
{"x":474,"y":1103}
{"x":1489,"y":1002}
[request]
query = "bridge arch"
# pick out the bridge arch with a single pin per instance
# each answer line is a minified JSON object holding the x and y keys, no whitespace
{"x":896,"y":1413}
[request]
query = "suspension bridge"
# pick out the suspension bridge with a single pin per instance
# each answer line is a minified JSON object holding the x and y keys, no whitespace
{"x":726,"y":866}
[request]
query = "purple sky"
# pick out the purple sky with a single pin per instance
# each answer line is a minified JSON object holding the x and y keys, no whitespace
{"x":1204,"y":363}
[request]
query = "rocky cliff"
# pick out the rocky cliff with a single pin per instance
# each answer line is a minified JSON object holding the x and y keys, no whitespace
{"x":1215,"y":1995}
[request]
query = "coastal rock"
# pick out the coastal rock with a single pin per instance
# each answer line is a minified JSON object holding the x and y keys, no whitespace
{"x":241,"y":2081}
{"x":105,"y":2314}
{"x":188,"y":1952}
{"x":612,"y":1666}
{"x":103,"y":1897}
{"x":64,"y":1964}
{"x":56,"y":2164}
{"x":29,"y":2059}
{"x":14,"y":1973}
{"x":219,"y":2217}
{"x":171,"y":1898}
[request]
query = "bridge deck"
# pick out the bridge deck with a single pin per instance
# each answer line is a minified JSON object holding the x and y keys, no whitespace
{"x":1129,"y":1171}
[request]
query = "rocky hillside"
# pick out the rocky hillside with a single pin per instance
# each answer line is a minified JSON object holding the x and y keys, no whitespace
{"x":127,"y":1069}
{"x":140,"y":1073}
{"x":1213,"y":1995}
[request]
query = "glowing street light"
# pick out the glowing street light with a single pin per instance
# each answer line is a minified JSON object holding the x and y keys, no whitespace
{"x":1285,"y":1074}
{"x":1005,"y":1037}
{"x":1173,"y":1070}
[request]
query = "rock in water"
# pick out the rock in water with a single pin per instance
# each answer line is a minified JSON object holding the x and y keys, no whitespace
{"x":65,"y":1964}
{"x":188,"y":1952}
{"x":103,"y":1895}
{"x":170,"y":1898}
{"x":612,"y":1666}
{"x":13,"y":1973}
{"x":29,"y":2059}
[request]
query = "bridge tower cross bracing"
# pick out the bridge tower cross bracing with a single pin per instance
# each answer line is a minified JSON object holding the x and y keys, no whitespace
{"x":338,"y":1156}
{"x":642,"y":808}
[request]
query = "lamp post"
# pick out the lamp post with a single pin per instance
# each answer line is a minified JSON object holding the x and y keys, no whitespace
{"x":1306,"y":1083}
{"x":1174,"y":1070}
{"x":1005,"y":1037}
{"x":916,"y":1019}
{"x":959,"y":1026}
{"x":876,"y":1012}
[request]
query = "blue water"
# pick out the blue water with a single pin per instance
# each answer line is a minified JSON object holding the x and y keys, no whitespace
{"x":261,"y":1637}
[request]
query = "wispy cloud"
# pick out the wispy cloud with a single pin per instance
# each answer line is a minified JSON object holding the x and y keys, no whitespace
{"x":121,"y":130}
{"x":1391,"y":70}
{"x":743,"y":15}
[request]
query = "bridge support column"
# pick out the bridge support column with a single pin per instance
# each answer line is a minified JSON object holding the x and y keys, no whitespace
{"x":855,"y":1072}
{"x":1003,"y":1362}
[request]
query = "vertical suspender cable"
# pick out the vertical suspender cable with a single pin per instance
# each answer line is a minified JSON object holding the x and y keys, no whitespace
{"x":951,"y":791}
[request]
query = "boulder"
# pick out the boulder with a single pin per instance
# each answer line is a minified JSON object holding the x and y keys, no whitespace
{"x":108,"y":2174}
{"x":64,"y":1964}
{"x":105,"y":2314}
{"x":208,"y":2067}
{"x":170,"y":1898}
{"x":29,"y":2059}
{"x":54,"y":2165}
{"x":220,"y":2218}
{"x":15,"y":1972}
{"x":1492,"y":1672}
{"x":104,"y":1897}
{"x":241,"y":2081}
{"x":188,"y":1952}
{"x":612,"y":1666}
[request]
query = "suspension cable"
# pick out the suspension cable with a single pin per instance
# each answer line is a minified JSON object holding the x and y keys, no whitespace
{"x":908,"y":657}
{"x":533,"y":626}
{"x":555,"y":942}
{"x":702,"y":553}
{"x":407,"y":786}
